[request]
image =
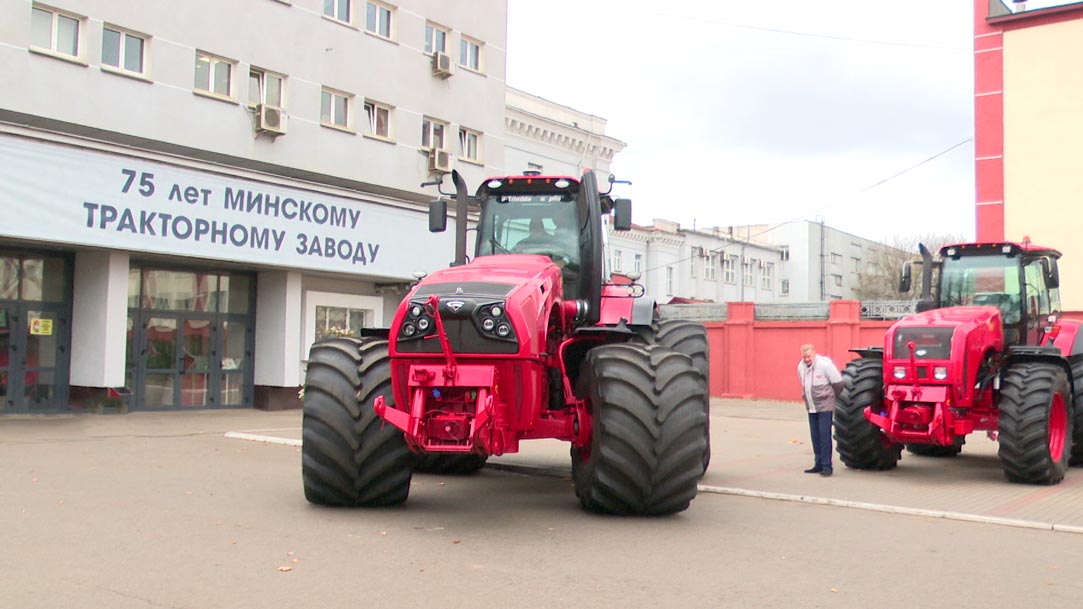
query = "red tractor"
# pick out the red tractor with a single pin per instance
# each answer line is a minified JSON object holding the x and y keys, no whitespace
{"x":988,"y":351}
{"x":527,"y":340}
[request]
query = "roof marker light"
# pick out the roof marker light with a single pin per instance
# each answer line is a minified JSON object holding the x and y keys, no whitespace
{"x":562,"y":183}
{"x":494,"y":184}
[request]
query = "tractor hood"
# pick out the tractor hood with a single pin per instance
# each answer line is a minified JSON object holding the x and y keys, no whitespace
{"x":496,"y":304}
{"x":939,"y":332}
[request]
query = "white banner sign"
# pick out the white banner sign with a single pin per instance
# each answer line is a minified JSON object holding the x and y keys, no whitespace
{"x":59,"y":194}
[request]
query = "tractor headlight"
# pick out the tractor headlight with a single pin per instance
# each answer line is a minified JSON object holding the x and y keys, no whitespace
{"x":488,"y":324}
{"x":899,"y":372}
{"x":409,"y":330}
{"x":940,"y":372}
{"x":423,"y":324}
{"x":503,"y":330}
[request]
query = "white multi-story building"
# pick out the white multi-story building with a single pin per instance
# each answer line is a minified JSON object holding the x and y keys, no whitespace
{"x":796,"y":262}
{"x":192,"y":196}
{"x":677,"y":265}
{"x":823,"y":263}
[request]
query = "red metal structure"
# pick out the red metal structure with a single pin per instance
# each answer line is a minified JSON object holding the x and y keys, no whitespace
{"x":988,"y":351}
{"x":527,"y":340}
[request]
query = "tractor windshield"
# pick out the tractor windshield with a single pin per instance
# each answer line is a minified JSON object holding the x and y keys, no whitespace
{"x":534,"y":223}
{"x":983,"y":280}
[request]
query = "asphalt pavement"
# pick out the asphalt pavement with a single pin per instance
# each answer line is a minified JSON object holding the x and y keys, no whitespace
{"x":760,"y":449}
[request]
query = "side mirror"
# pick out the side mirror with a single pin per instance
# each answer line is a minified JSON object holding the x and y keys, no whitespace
{"x":622,"y":214}
{"x":905,"y":278}
{"x":438,"y":216}
{"x":1052,"y":273}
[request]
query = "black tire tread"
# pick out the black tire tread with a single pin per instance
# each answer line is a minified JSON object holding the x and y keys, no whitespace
{"x":860,"y":443}
{"x":448,"y":464}
{"x":646,"y":452}
{"x":1026,"y":391}
{"x":349,"y":457}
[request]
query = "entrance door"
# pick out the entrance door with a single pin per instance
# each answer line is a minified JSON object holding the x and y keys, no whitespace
{"x":190,"y":344}
{"x":180,"y":356}
{"x":34,"y":334}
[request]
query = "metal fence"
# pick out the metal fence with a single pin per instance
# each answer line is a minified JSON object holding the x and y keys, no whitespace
{"x":870,"y":309}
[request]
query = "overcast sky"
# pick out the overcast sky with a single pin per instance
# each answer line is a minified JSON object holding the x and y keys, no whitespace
{"x":768,"y":111}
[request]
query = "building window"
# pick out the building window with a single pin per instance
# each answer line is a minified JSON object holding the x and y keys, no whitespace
{"x":784,"y":253}
{"x":618,"y":256}
{"x":379,"y":117}
{"x":432,"y":133}
{"x":693,"y":260}
{"x":435,"y":39}
{"x":837,"y":279}
{"x":767,"y":277}
{"x":339,"y":10}
{"x":123,"y":50}
{"x":55,"y":32}
{"x":470,"y":54}
{"x":335,"y":109}
{"x":214,"y":75}
{"x":669,"y":281}
{"x":378,"y":19}
{"x":856,"y":266}
{"x":469,"y":145}
{"x":729,"y":269}
{"x":637,"y":265}
{"x":836,"y":258}
{"x":712,"y":264}
{"x":265,"y":88}
{"x":784,"y":287}
{"x":746,"y":271}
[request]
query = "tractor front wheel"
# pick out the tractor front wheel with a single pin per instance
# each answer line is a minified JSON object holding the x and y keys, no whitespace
{"x":689,"y":338}
{"x":1036,"y":423}
{"x":861,"y":444}
{"x":349,"y":457}
{"x":1077,"y":425}
{"x":645,"y":454}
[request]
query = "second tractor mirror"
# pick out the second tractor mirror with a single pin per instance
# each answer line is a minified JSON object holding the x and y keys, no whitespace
{"x":622,"y":214}
{"x":438,"y":216}
{"x":905,"y":278}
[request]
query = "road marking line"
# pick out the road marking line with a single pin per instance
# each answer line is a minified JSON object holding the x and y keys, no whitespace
{"x":893,"y":509}
{"x":251,"y":437}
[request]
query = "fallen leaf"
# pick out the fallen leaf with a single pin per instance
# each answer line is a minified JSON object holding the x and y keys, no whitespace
{"x":383,"y":533}
{"x":285,"y":568}
{"x":834,"y":589}
{"x":295,"y":560}
{"x":457,"y":541}
{"x":443,"y":483}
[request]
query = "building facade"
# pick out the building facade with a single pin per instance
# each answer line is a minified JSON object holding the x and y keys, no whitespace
{"x":1027,"y":83}
{"x":189,"y":207}
{"x":795,"y":262}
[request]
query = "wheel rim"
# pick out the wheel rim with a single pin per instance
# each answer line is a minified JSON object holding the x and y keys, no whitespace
{"x":1058,"y":427}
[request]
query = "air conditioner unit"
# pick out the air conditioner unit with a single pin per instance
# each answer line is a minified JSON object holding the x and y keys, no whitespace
{"x":441,"y":64}
{"x":270,"y":119}
{"x":439,"y":160}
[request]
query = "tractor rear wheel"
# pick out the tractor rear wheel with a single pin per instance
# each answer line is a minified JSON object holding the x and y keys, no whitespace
{"x":689,"y":338}
{"x":453,"y":464}
{"x":1077,"y":393}
{"x":1036,"y":422}
{"x":648,"y":417}
{"x":861,"y":444}
{"x":349,"y":457}
{"x":935,"y":450}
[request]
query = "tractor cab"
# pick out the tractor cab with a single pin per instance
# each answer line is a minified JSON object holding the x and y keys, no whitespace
{"x":1021,"y":280}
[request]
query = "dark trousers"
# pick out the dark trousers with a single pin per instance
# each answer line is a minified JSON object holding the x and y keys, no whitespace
{"x":819,"y":424}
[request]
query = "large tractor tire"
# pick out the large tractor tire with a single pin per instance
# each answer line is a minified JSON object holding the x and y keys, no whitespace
{"x":1077,"y":392}
{"x":935,"y":450}
{"x":1036,"y":422}
{"x":861,"y":444}
{"x":689,"y":338}
{"x":349,"y":456}
{"x":450,"y":464}
{"x":648,"y":419}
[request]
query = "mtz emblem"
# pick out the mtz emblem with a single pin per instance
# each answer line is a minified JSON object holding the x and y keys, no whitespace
{"x":455,"y":305}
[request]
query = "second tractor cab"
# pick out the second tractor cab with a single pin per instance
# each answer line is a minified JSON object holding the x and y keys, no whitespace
{"x":987,"y":351}
{"x":526,"y":340}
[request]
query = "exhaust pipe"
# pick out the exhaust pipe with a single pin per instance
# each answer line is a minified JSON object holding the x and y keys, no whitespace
{"x":462,"y":199}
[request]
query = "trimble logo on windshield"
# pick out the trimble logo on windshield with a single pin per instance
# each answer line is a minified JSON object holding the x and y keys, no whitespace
{"x":455,"y":305}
